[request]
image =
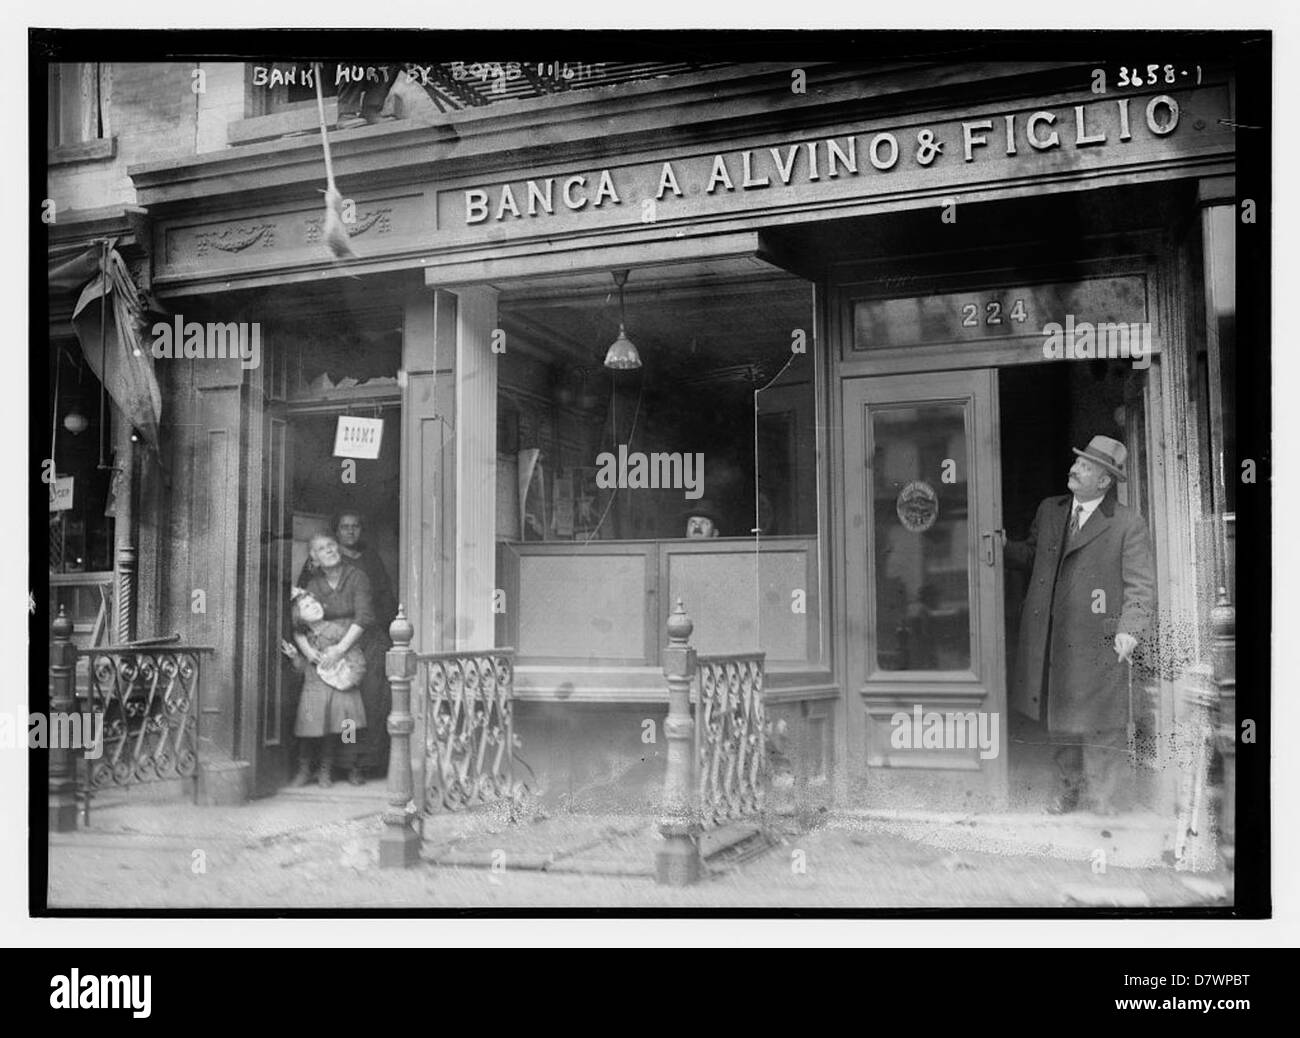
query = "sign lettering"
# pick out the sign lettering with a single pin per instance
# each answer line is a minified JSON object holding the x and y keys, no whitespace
{"x":358,"y":437}
{"x":1100,"y":132}
{"x":61,"y":494}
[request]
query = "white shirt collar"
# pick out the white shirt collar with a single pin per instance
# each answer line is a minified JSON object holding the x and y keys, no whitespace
{"x":1088,"y":508}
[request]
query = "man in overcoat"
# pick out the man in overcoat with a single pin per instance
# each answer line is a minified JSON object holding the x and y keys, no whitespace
{"x":1091,"y":596}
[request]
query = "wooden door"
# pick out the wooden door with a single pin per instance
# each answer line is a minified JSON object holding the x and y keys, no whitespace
{"x":925,"y":640}
{"x":278,"y":682}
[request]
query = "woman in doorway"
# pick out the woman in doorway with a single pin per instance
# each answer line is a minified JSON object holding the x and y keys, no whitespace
{"x":372,"y":752}
{"x":333,"y":616}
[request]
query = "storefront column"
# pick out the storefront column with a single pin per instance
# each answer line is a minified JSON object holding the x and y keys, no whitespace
{"x":426,"y":566}
{"x":426,"y":584}
{"x":477,"y":340}
{"x":449,"y":467}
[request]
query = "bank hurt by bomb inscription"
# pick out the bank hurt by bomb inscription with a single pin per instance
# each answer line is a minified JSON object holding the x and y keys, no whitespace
{"x":1105,"y":124}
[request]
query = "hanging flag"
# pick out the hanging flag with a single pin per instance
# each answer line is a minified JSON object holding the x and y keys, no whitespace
{"x":127,"y":374}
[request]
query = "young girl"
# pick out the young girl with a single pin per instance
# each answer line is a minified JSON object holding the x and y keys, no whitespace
{"x":331,"y":695}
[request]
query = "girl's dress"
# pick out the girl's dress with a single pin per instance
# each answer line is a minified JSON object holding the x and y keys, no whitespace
{"x":322,"y":709}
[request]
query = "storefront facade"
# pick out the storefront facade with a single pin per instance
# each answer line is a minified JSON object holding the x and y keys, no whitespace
{"x":843,"y":284}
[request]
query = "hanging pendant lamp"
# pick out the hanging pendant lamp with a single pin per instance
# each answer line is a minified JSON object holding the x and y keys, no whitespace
{"x":622,"y":354}
{"x":76,"y":422}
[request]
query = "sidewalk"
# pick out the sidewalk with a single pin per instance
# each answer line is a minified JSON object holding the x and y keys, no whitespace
{"x":313,"y":848}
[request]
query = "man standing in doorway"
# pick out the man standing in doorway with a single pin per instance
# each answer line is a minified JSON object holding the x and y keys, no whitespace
{"x":372,"y":755}
{"x":1091,"y":596}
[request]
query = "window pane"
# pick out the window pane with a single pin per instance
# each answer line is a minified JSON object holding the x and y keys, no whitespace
{"x":922,"y":537}
{"x":721,"y":417}
{"x":978,"y":316}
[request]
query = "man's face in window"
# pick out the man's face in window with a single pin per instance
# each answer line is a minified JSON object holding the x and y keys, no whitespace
{"x":349,"y":530}
{"x":700,"y":526}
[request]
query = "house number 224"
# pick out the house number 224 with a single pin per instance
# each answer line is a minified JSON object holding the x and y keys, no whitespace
{"x":992,"y":313}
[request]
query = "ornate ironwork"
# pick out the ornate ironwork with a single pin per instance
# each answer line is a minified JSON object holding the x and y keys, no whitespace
{"x":730,"y":737}
{"x":149,"y":701}
{"x":469,"y":737}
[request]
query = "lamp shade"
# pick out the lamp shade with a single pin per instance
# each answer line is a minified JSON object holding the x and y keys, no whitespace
{"x":622,"y":355}
{"x":75,"y":422}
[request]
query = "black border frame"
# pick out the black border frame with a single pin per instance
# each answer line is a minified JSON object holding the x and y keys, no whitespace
{"x":1250,"y":52}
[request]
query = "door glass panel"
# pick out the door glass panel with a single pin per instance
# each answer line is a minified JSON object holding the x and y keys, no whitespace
{"x":922,"y":537}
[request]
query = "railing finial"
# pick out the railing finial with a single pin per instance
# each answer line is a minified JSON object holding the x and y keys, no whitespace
{"x":62,"y":624}
{"x":400,"y":630}
{"x":680,"y":625}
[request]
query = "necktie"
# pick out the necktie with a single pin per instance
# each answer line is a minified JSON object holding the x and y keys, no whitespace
{"x":1075,"y":516}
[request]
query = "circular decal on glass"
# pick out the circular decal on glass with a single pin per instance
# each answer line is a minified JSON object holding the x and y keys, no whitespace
{"x":918,"y":506}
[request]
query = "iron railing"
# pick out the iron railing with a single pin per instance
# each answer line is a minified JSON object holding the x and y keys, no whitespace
{"x":469,"y":736}
{"x":716,"y":772}
{"x":149,"y":699}
{"x":731,"y":763}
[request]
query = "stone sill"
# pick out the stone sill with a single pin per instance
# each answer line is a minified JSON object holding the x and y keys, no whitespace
{"x":292,"y":120}
{"x":85,"y":151}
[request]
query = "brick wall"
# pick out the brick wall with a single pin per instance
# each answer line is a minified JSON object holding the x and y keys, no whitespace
{"x":155,"y":115}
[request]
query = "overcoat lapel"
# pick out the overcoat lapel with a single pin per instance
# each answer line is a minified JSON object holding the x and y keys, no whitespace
{"x":1096,"y":525}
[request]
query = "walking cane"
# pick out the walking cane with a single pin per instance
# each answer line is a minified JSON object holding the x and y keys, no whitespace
{"x":1131,"y":730}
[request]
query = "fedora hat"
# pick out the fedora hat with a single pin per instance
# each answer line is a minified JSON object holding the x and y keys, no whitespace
{"x":1109,"y":454}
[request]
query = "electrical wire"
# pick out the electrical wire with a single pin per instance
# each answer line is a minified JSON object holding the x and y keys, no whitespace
{"x":758,"y":592}
{"x":54,"y":430}
{"x":636,"y":414}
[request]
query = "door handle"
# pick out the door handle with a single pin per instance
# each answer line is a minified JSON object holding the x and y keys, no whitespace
{"x":988,"y":540}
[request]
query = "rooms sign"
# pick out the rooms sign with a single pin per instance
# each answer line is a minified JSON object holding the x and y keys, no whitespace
{"x":920,"y":156}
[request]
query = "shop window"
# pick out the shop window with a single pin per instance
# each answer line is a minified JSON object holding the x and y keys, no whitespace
{"x":693,"y":477}
{"x":341,"y":357}
{"x":721,"y":418}
{"x":81,"y":523}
